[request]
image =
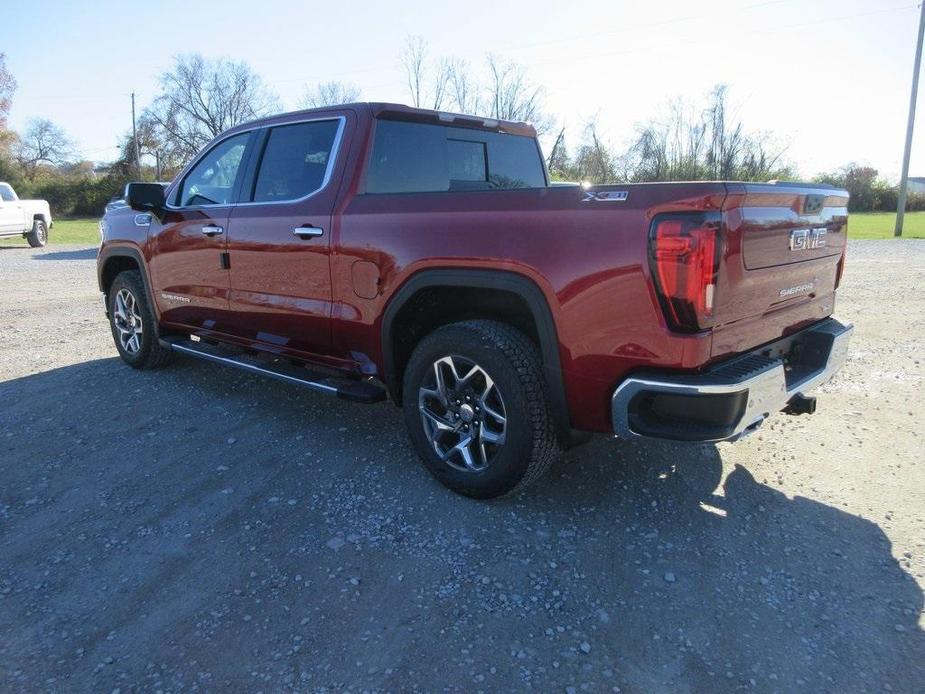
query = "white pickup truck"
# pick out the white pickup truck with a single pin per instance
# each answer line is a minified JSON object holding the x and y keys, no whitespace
{"x":30,"y":219}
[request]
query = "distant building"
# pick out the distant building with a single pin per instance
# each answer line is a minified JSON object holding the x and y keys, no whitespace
{"x":917,"y":184}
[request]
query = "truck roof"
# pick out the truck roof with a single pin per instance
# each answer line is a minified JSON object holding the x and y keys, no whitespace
{"x":390,"y":111}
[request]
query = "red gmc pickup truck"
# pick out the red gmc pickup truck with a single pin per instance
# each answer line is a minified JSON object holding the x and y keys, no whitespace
{"x":375,"y":251}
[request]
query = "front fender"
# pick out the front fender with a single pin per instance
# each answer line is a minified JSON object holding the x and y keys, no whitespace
{"x":118,"y":254}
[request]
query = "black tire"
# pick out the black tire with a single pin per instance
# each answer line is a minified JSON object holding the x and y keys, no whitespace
{"x":513,"y":364}
{"x":38,"y":237}
{"x":146,"y":352}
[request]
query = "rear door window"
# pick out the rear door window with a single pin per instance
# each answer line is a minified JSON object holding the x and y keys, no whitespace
{"x":295,"y":161}
{"x":420,"y":157}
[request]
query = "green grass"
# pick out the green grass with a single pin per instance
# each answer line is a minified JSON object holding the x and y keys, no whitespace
{"x":75,"y":231}
{"x":879,"y":225}
{"x":82,"y":231}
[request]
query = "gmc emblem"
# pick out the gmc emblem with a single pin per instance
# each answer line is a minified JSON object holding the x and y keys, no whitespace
{"x":807,"y":239}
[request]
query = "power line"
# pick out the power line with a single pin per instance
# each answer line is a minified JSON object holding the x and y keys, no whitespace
{"x":637,"y":28}
{"x":533,"y":44}
{"x":712,"y":40}
{"x":573,"y":58}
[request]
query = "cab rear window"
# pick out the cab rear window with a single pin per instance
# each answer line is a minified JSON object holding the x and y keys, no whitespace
{"x":421,"y":157}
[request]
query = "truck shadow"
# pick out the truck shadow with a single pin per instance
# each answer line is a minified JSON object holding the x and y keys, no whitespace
{"x":78,"y":254}
{"x":181,"y":484}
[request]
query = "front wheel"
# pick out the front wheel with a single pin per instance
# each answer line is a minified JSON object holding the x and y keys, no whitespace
{"x":476,"y":409}
{"x":38,"y":237}
{"x":133,"y":323}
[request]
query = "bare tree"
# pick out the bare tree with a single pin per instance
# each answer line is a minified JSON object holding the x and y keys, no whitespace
{"x":558,"y":162}
{"x":414,"y":62}
{"x":595,"y":162}
{"x":7,"y":87}
{"x":201,"y":98}
{"x":429,"y":82}
{"x":705,"y":146}
{"x":329,"y":94}
{"x":464,"y":92}
{"x":440,"y":87}
{"x":43,"y":142}
{"x":154,"y":149}
{"x":726,"y":142}
{"x":511,"y":95}
{"x":448,"y":84}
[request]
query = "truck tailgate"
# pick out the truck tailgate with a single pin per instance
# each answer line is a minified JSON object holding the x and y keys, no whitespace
{"x":783,"y":247}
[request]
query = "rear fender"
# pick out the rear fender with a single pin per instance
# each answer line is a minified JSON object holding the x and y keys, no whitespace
{"x":525,"y":288}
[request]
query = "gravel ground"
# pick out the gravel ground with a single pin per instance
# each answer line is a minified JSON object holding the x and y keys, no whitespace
{"x":200,"y":529}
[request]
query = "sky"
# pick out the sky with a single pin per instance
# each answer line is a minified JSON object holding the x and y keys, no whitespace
{"x":829,"y":78}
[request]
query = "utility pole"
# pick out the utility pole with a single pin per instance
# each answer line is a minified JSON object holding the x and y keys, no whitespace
{"x":904,"y":181}
{"x":135,"y":139}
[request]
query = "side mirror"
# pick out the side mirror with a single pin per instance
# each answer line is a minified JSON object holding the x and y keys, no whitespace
{"x":145,"y":197}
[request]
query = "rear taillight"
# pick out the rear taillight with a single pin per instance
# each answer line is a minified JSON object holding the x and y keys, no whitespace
{"x":684,"y":253}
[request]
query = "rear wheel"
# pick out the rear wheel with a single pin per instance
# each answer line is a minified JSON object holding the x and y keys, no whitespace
{"x":133,"y":323}
{"x":38,"y":237}
{"x":476,"y":408}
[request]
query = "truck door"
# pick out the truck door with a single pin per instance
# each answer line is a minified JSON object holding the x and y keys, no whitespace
{"x":11,"y":214}
{"x":279,"y":238}
{"x":188,"y":266}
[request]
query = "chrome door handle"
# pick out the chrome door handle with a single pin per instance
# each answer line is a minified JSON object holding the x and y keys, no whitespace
{"x":307,"y":232}
{"x":212,"y":230}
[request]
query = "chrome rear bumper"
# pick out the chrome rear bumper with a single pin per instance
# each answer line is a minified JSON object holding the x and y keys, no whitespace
{"x":734,"y":397}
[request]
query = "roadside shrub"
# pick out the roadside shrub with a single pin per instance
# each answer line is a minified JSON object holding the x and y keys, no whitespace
{"x":9,"y":172}
{"x":885,"y":196}
{"x":868,"y":192}
{"x":915,"y":202}
{"x":74,"y":196}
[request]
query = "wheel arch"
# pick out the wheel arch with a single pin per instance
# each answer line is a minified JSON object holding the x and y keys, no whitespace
{"x":491,"y":281}
{"x":115,"y":259}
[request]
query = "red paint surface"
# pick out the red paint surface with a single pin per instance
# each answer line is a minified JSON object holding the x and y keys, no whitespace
{"x":589,"y":259}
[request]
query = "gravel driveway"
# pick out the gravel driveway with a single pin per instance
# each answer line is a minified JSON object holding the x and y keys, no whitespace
{"x":197,"y":528}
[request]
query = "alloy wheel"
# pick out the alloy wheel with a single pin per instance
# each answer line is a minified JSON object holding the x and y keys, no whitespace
{"x":463,"y":413}
{"x":127,"y":319}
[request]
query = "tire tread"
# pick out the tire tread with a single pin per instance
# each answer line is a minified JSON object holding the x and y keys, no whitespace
{"x":518,"y":348}
{"x":157,"y":355}
{"x":524,"y":357}
{"x":33,"y":236}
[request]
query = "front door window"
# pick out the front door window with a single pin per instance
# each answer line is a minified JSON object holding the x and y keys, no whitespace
{"x":212,"y":180}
